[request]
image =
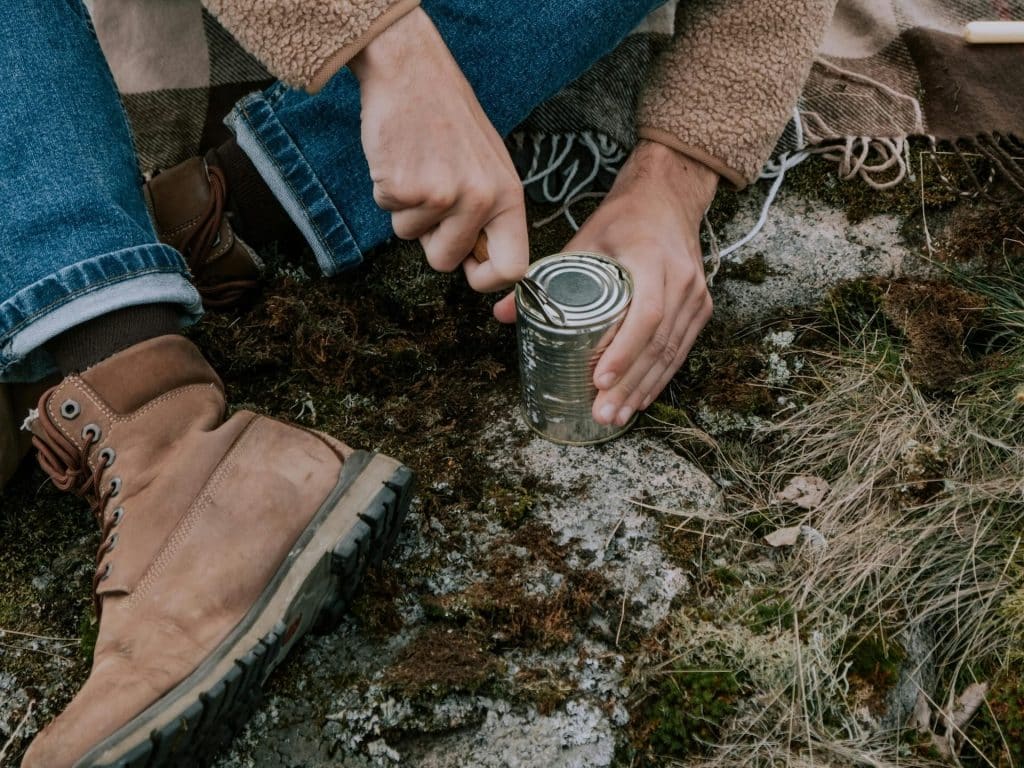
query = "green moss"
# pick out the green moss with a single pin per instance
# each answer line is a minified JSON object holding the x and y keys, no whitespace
{"x":690,"y":709}
{"x":670,"y":415}
{"x":754,"y":269}
{"x":875,"y":664}
{"x":511,"y":505}
{"x":770,"y":611}
{"x":853,"y":307}
{"x":724,"y":208}
{"x":88,"y":631}
{"x":724,"y":577}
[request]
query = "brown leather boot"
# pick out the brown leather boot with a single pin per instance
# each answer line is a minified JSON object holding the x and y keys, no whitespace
{"x":187,"y":203}
{"x":15,"y":443}
{"x":223,"y":542}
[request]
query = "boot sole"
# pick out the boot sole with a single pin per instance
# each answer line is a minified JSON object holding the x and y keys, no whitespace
{"x":355,"y":528}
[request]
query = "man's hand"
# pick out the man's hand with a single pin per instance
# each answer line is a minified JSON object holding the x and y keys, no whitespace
{"x":650,"y":222}
{"x":436,"y":161}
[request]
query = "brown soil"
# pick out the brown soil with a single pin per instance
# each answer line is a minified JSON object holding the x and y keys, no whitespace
{"x":441,"y":660}
{"x":936,"y":319}
{"x":509,"y":609}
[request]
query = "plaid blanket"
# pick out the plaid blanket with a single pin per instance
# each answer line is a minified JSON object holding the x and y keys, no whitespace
{"x":888,"y":70}
{"x":893,"y":69}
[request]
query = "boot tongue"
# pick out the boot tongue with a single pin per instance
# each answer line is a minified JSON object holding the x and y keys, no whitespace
{"x":143,"y":372}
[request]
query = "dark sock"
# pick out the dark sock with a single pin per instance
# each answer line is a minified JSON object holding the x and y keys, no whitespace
{"x":255,"y":213}
{"x":91,"y":342}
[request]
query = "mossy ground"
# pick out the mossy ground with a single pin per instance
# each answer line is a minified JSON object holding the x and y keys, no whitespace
{"x":397,"y":358}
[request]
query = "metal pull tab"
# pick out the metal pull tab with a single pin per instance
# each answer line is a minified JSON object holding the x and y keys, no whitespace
{"x":542,"y":302}
{"x":538,"y":297}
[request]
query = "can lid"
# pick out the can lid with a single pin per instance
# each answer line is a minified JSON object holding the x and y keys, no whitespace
{"x":588,"y":288}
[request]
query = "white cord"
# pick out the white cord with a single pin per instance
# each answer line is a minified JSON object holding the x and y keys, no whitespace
{"x":775,"y":169}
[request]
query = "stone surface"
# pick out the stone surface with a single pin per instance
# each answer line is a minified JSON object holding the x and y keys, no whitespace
{"x":589,"y":502}
{"x":807,"y":246}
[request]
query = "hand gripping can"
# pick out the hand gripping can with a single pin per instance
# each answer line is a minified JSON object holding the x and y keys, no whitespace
{"x":569,"y":306}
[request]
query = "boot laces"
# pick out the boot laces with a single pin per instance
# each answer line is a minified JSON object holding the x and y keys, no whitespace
{"x":67,"y":465}
{"x":200,"y":245}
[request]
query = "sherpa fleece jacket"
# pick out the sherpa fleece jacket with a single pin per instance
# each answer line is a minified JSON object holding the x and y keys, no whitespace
{"x":721,"y":94}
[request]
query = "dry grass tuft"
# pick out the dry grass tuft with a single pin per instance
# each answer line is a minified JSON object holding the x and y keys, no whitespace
{"x":917,"y":546}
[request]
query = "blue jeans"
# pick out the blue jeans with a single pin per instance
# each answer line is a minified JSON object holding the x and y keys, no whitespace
{"x":76,"y":241}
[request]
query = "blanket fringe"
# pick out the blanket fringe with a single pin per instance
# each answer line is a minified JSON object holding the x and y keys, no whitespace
{"x":879,"y":163}
{"x":567,"y":169}
{"x":884,"y":163}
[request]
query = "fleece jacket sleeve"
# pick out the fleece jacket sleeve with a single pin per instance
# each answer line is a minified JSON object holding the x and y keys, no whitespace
{"x":304,"y":43}
{"x":724,"y":91}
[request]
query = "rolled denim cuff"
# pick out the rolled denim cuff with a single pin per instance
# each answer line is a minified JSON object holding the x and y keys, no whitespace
{"x":283,"y":167}
{"x":145,"y":274}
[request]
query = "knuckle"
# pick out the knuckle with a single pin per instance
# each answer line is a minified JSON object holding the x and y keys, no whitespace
{"x":651,"y":314}
{"x":382,"y":198}
{"x":442,"y":199}
{"x":668,"y":353}
{"x":439,"y":261}
{"x":626,"y":389}
{"x":707,"y":308}
{"x":441,"y":265}
{"x":477,"y":199}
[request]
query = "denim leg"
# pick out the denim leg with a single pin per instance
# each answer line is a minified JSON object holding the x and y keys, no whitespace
{"x":76,"y":241}
{"x":515,"y":55}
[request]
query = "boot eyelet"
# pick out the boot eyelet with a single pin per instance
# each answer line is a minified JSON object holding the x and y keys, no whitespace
{"x":115,"y":519}
{"x":112,"y":541}
{"x":108,"y":455}
{"x":70,"y":409}
{"x":115,"y":486}
{"x":106,"y":572}
{"x":92,"y":432}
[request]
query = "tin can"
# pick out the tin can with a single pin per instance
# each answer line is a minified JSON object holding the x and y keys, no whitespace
{"x":569,"y":307}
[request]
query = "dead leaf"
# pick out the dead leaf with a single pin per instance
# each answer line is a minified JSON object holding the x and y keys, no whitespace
{"x":952,"y":723}
{"x":805,"y":491}
{"x":921,"y":719}
{"x":966,"y":705}
{"x":784,"y":537}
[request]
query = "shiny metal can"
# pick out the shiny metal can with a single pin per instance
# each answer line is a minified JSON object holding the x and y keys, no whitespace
{"x":569,"y":308}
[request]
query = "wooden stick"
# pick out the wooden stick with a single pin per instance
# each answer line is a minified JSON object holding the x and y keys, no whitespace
{"x":988,"y":32}
{"x":480,"y":252}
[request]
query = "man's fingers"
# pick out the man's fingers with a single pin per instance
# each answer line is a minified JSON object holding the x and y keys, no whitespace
{"x":669,"y":357}
{"x":643,"y":320}
{"x":692,"y":332}
{"x":505,"y":310}
{"x":611,"y":404}
{"x":414,"y":223}
{"x":509,"y":253}
{"x":448,"y":245}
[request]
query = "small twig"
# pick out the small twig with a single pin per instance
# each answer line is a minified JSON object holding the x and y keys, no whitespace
{"x":678,"y":513}
{"x":14,"y":734}
{"x":32,"y":650}
{"x":615,"y":530}
{"x":38,"y":637}
{"x":924,"y":211}
{"x":622,"y":617}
